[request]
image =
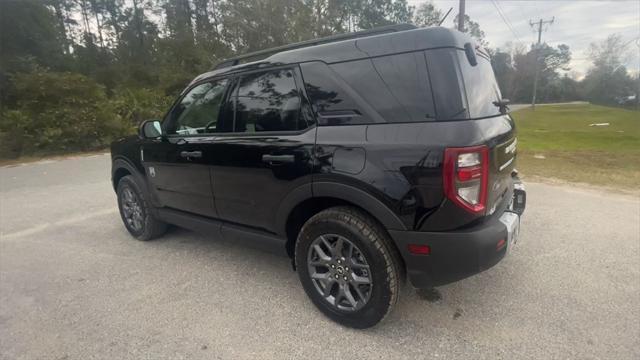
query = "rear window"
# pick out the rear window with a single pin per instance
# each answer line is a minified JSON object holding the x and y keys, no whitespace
{"x":462,"y":91}
{"x":481,"y":86}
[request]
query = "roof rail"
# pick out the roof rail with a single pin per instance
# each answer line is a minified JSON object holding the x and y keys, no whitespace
{"x":329,"y":39}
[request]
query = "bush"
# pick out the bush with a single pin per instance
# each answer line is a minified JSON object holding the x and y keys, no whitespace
{"x":12,"y":133}
{"x":57,"y":113}
{"x":136,"y":105}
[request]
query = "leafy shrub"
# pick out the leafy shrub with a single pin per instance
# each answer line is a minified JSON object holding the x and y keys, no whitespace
{"x":136,"y":105}
{"x":58,"y":112}
{"x":12,"y":133}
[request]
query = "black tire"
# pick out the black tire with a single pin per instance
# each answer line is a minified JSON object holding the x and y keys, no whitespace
{"x":150,"y":227}
{"x":380,"y":255}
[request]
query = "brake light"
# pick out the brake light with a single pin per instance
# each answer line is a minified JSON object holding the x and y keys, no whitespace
{"x":465,"y":176}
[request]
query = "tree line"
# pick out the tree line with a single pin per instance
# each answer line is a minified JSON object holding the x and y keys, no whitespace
{"x":606,"y":82}
{"x":75,"y":74}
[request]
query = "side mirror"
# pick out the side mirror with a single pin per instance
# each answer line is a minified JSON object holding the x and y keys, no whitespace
{"x":150,"y":129}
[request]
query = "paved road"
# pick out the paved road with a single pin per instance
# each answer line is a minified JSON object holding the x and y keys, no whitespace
{"x":516,"y":107}
{"x":74,"y":285}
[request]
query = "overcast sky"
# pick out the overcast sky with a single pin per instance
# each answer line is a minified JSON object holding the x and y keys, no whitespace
{"x":577,"y":24}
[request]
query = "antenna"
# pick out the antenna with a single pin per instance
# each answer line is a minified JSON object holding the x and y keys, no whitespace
{"x":445,"y":16}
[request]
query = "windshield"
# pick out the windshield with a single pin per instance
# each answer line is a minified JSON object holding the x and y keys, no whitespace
{"x":462,"y":91}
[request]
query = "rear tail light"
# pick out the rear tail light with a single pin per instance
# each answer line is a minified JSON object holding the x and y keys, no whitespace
{"x":466,"y":172}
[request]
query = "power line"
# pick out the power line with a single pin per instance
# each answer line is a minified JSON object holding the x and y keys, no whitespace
{"x":505,"y":19}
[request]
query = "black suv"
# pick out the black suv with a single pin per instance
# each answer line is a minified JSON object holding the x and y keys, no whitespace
{"x":366,"y":158}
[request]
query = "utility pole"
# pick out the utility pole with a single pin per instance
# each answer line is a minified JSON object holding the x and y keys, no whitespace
{"x":539,"y":24}
{"x":461,"y":17}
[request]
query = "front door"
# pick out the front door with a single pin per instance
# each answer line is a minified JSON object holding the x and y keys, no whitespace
{"x":178,"y":166}
{"x":268,"y":151}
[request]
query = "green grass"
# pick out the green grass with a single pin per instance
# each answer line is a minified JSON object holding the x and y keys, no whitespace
{"x":575,"y":151}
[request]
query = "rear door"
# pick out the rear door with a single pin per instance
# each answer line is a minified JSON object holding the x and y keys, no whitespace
{"x":178,"y":166}
{"x":269,"y":152}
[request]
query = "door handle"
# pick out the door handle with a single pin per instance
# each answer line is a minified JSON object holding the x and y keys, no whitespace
{"x":275,"y":159}
{"x":191,"y":154}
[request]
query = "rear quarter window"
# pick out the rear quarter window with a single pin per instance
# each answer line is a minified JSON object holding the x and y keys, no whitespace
{"x":406,"y":78}
{"x":391,"y":88}
{"x":396,"y":86}
{"x":333,"y":101}
{"x":446,"y":79}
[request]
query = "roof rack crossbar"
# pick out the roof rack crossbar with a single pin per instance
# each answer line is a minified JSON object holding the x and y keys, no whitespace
{"x":329,"y":39}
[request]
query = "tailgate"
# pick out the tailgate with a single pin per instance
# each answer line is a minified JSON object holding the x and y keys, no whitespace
{"x":502,"y":142}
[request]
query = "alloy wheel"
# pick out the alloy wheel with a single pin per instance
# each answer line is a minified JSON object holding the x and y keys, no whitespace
{"x":131,"y":209}
{"x":339,"y":272}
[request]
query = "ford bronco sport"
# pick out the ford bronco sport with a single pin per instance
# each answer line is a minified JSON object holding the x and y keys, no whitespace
{"x":367,"y":158}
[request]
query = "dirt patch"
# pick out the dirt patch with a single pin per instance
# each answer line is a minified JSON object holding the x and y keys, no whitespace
{"x":34,"y":159}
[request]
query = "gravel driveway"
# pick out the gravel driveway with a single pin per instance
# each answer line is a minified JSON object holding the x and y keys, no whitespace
{"x":74,"y":285}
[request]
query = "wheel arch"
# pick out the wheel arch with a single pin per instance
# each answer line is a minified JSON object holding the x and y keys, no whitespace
{"x":121,"y":168}
{"x":301,"y":205}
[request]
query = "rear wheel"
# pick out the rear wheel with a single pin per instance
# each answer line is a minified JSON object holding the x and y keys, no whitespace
{"x":348,"y":266}
{"x":136,"y":211}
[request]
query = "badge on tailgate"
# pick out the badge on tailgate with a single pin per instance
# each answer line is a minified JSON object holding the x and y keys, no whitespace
{"x":506,"y":152}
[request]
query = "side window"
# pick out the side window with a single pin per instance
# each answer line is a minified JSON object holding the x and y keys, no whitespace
{"x":406,"y":77}
{"x":268,"y":101}
{"x":332,"y":98}
{"x":395,"y":86}
{"x":447,"y":80}
{"x":199,"y":110}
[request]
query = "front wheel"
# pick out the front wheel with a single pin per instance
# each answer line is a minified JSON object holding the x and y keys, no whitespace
{"x":348,"y":266}
{"x":136,"y":211}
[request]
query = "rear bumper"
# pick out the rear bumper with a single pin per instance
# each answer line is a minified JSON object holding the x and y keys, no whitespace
{"x":459,"y":254}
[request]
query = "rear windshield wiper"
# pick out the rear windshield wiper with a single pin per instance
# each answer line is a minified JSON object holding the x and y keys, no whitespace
{"x":502,"y":104}
{"x":458,"y":113}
